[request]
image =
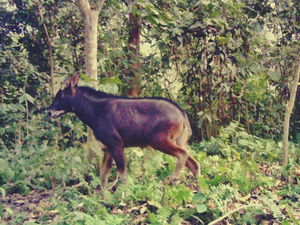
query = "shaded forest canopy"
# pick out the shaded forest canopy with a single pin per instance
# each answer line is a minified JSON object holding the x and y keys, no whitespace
{"x":228,"y":61}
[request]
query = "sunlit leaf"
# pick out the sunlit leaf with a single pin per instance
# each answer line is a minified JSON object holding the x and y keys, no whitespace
{"x":107,"y":80}
{"x":1,"y":210}
{"x":202,"y":183}
{"x":274,"y":75}
{"x":197,"y":24}
{"x":199,"y":197}
{"x":27,"y":97}
{"x":222,"y":40}
{"x":3,"y":108}
{"x":138,"y":152}
{"x":201,"y":208}
{"x":177,"y":31}
{"x":109,"y":88}
{"x":3,"y":192}
{"x":16,"y":107}
{"x":9,"y":210}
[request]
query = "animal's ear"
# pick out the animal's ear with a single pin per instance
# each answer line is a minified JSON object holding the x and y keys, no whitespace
{"x":75,"y":79}
{"x":67,"y":84}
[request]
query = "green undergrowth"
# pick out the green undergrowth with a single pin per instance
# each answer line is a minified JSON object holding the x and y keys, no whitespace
{"x":46,"y":178}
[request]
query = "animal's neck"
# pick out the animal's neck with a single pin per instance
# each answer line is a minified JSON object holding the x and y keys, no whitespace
{"x":84,"y":108}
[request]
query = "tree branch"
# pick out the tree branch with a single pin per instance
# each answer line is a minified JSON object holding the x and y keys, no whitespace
{"x":99,"y":5}
{"x":287,"y":115}
{"x":49,"y":43}
{"x":233,"y":211}
{"x":84,"y":7}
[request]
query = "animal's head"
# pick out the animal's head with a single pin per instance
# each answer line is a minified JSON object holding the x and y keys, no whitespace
{"x":62,"y":102}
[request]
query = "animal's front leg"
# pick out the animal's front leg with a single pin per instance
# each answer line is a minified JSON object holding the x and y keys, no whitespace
{"x":119,"y":157}
{"x":105,"y":169}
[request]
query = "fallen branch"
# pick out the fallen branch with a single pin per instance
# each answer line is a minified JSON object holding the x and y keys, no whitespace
{"x":228,"y":214}
{"x":78,"y":185}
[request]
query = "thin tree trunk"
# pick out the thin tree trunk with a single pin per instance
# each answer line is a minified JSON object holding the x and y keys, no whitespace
{"x":287,"y":115}
{"x":90,"y":16}
{"x":134,"y":70}
{"x":49,"y":43}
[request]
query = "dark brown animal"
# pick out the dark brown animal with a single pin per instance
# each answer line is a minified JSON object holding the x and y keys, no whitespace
{"x":119,"y":122}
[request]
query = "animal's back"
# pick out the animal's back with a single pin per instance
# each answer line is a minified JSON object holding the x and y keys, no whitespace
{"x":138,"y":119}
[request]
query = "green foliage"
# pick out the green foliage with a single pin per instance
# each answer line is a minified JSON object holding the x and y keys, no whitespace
{"x":199,"y":200}
{"x":229,"y":181}
{"x":230,"y":61}
{"x":224,"y":64}
{"x":235,"y":143}
{"x":36,"y":160}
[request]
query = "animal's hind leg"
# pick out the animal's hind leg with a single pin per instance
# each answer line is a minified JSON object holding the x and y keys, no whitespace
{"x":164,"y":144}
{"x":193,"y":166}
{"x":191,"y":163}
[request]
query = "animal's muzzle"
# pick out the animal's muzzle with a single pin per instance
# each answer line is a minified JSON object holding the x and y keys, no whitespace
{"x":55,"y":114}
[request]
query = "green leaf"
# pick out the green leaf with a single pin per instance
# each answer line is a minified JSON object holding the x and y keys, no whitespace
{"x":79,"y":215}
{"x":197,"y":24}
{"x":27,"y":97}
{"x":274,"y":75}
{"x":84,"y":77}
{"x":109,"y":88}
{"x":176,"y":219}
{"x":138,"y":152}
{"x":1,"y":210}
{"x":203,"y":185}
{"x":9,"y":210}
{"x":201,"y":208}
{"x":3,"y":108}
{"x":107,"y":80}
{"x":154,"y":11}
{"x":151,"y":20}
{"x":237,"y":169}
{"x":101,"y":210}
{"x":199,"y":197}
{"x":160,"y":21}
{"x":208,"y":118}
{"x":177,"y":31}
{"x":222,"y":40}
{"x":219,"y":21}
{"x":16,"y":107}
{"x":3,"y":192}
{"x":183,"y":106}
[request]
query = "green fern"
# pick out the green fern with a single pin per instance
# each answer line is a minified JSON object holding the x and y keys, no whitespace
{"x":272,"y":206}
{"x":222,"y":195}
{"x":224,"y":191}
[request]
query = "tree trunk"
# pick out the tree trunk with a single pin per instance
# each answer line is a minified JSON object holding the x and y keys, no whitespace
{"x":49,"y":44}
{"x":288,"y":112}
{"x":90,"y":16}
{"x":134,"y":70}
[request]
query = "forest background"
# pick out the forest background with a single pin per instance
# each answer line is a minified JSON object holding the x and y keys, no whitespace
{"x":229,"y":64}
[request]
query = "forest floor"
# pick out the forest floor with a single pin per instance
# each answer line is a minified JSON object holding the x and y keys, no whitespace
{"x":42,"y":207}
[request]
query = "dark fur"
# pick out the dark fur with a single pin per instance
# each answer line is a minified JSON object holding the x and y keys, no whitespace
{"x":103,"y":95}
{"x":119,"y":122}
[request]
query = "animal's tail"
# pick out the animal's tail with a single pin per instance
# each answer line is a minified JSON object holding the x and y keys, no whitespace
{"x":188,"y":125}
